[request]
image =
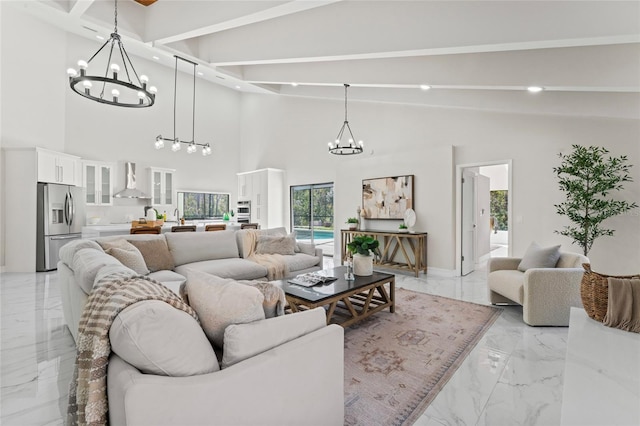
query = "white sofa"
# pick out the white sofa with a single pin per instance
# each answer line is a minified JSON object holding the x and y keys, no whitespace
{"x":546,"y":294}
{"x":285,"y":370}
{"x":219,"y":253}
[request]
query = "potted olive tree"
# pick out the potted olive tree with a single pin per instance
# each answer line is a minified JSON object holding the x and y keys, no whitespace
{"x":587,"y":177}
{"x":363,"y":248}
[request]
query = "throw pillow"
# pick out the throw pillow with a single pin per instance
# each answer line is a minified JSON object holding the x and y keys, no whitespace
{"x":538,"y":257}
{"x":242,"y":341}
{"x":220,"y":302}
{"x":155,"y":253}
{"x":127,"y":254}
{"x":273,"y":244}
{"x":157,"y":338}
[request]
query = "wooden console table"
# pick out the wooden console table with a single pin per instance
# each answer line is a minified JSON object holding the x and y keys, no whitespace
{"x":410,"y":248}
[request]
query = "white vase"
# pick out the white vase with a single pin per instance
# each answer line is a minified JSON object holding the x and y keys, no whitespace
{"x":362,"y":265}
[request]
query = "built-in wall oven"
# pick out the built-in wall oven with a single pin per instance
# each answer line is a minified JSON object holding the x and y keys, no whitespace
{"x":243,"y":212}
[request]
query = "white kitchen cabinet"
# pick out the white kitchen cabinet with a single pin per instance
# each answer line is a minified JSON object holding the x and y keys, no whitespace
{"x":245,"y":187}
{"x":98,"y":181}
{"x":265,"y":189}
{"x":56,"y":167}
{"x":162,"y":187}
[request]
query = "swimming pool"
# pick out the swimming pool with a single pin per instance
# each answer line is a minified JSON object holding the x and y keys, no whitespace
{"x":318,"y":234}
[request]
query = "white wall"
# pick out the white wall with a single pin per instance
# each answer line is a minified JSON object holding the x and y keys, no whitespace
{"x":292,"y":133}
{"x":499,"y":175}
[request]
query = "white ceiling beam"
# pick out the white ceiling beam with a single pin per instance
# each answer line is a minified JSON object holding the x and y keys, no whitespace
{"x":388,"y":28}
{"x":280,"y":10}
{"x":80,"y":7}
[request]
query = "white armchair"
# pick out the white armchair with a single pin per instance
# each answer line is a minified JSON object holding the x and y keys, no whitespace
{"x":546,"y":294}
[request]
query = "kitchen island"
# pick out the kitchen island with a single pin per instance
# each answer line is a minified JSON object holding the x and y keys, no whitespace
{"x":95,"y":231}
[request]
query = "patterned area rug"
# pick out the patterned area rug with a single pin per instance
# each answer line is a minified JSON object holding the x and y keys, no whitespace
{"x":395,"y":364}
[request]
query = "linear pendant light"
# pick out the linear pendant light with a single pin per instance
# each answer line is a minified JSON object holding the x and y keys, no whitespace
{"x":123,"y":93}
{"x":350,"y":147}
{"x":176,"y":143}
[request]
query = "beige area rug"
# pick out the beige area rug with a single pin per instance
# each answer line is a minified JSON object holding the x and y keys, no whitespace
{"x":395,"y":364}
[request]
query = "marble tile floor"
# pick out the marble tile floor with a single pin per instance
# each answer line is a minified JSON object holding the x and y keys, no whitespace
{"x":512,"y":377}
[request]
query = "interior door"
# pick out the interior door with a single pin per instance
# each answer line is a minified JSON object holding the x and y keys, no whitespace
{"x":468,"y":222}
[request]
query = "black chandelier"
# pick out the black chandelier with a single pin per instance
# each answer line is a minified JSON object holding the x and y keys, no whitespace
{"x":192,"y":146}
{"x":124,"y":93}
{"x":350,"y":147}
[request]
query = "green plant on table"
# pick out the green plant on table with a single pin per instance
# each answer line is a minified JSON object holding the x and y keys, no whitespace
{"x":403,"y":226}
{"x":587,"y":178}
{"x":352,"y":220}
{"x":364,"y":245}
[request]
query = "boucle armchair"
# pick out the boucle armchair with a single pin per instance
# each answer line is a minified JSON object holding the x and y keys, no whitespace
{"x":546,"y":294}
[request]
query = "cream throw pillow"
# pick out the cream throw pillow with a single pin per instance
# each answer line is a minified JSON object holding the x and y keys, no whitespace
{"x":275,"y":244}
{"x":157,"y":338}
{"x":220,"y":302}
{"x":538,"y":257}
{"x":127,"y":254}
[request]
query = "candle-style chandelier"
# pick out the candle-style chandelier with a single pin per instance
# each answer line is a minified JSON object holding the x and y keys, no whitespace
{"x":131,"y":92}
{"x":339,"y":147}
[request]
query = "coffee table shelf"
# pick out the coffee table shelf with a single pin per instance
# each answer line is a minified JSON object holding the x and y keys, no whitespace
{"x":346,"y":302}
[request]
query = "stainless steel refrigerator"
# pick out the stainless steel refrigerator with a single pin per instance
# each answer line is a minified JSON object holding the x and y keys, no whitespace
{"x":60,"y":220}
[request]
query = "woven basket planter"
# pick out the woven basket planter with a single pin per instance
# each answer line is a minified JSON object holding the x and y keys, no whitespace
{"x":594,"y":291}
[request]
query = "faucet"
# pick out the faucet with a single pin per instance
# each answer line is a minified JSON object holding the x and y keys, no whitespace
{"x":176,"y":213}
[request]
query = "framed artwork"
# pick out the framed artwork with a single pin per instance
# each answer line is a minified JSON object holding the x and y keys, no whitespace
{"x":387,"y":197}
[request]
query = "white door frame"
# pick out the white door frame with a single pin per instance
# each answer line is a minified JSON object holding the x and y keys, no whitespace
{"x":459,"y":170}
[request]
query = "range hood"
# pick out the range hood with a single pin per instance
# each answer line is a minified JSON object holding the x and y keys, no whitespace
{"x":130,"y":190}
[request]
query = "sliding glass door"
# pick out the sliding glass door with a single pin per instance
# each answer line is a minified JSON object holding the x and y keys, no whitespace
{"x":312,"y":214}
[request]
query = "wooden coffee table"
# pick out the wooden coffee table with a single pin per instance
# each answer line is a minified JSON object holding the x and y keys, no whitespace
{"x":348,"y":301}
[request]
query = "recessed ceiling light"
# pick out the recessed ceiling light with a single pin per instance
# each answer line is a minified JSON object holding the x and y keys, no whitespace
{"x":99,"y":37}
{"x":425,"y":87}
{"x":294,"y":84}
{"x":237,"y":87}
{"x":156,"y":58}
{"x":535,"y":89}
{"x":200,"y":73}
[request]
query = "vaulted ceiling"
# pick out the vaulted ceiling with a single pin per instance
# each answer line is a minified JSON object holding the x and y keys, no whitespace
{"x":473,"y":54}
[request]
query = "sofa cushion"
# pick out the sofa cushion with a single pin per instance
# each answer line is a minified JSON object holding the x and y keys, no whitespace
{"x":276,"y":244}
{"x":156,"y":253}
{"x":307,"y":248}
{"x":157,"y":338}
{"x":242,"y":341}
{"x":188,"y":247}
{"x":169,"y":279}
{"x":220,"y":302}
{"x":127,"y":254}
{"x":68,"y":251}
{"x":87,"y":262}
{"x":239,"y":269}
{"x":300,"y":261}
{"x":509,"y":283}
{"x":539,"y":257}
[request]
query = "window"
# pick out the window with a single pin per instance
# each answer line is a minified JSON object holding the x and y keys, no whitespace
{"x":312,"y":214}
{"x":203,"y":205}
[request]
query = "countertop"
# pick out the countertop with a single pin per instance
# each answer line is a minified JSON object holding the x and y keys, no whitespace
{"x":123,"y":228}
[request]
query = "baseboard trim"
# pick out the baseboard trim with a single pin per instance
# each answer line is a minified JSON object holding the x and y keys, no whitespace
{"x":441,"y":272}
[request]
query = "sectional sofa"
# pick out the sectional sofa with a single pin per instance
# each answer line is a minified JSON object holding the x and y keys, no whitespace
{"x":219,"y":253}
{"x":166,"y":368}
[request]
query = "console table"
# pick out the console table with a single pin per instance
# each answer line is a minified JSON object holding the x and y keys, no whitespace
{"x":399,"y":250}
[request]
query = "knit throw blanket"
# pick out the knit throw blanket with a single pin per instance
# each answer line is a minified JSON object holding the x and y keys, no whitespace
{"x":88,"y":403}
{"x":623,"y":308}
{"x":276,"y":266}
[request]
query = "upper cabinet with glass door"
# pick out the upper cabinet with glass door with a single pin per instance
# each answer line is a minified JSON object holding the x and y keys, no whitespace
{"x":98,"y":181}
{"x":162,"y":186}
